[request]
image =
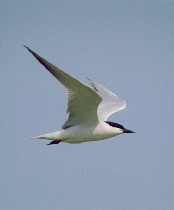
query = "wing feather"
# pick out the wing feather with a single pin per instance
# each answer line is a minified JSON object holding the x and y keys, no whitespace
{"x":110,"y":104}
{"x":83,"y":101}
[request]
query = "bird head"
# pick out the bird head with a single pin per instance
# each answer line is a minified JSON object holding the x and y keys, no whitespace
{"x":119,"y":127}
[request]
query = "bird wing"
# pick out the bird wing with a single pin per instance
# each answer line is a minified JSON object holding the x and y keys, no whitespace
{"x":83,"y":101}
{"x":110,"y":104}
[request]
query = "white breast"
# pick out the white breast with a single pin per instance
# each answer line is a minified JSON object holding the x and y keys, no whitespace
{"x":84,"y":133}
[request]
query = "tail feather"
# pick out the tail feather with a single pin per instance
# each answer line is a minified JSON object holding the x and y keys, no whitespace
{"x":38,"y":137}
{"x":48,"y":136}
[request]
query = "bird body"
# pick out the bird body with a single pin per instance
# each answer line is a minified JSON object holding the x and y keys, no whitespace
{"x":88,"y":109}
{"x":82,"y":133}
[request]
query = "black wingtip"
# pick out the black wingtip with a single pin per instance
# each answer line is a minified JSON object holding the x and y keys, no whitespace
{"x":40,"y":59}
{"x":28,"y":49}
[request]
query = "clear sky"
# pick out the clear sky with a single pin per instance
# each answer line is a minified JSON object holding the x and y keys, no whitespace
{"x":129,"y":48}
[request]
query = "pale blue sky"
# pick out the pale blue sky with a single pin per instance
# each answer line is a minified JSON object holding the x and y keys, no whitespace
{"x":129,"y":48}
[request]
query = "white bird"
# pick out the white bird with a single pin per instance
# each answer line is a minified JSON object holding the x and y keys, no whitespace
{"x":88,"y":109}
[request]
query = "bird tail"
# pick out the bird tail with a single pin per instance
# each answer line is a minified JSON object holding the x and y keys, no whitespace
{"x":38,"y":137}
{"x":48,"y":136}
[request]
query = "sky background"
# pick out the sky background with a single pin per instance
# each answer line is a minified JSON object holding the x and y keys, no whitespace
{"x":128,"y":46}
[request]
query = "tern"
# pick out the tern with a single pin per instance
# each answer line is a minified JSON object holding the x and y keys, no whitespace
{"x":88,"y":109}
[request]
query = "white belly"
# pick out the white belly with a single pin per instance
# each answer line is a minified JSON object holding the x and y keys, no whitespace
{"x":84,"y":133}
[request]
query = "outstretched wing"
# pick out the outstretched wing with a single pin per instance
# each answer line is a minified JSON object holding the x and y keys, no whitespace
{"x":83,"y":101}
{"x":110,"y":104}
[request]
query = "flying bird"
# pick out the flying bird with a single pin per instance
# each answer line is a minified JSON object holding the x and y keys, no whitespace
{"x":88,"y":109}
